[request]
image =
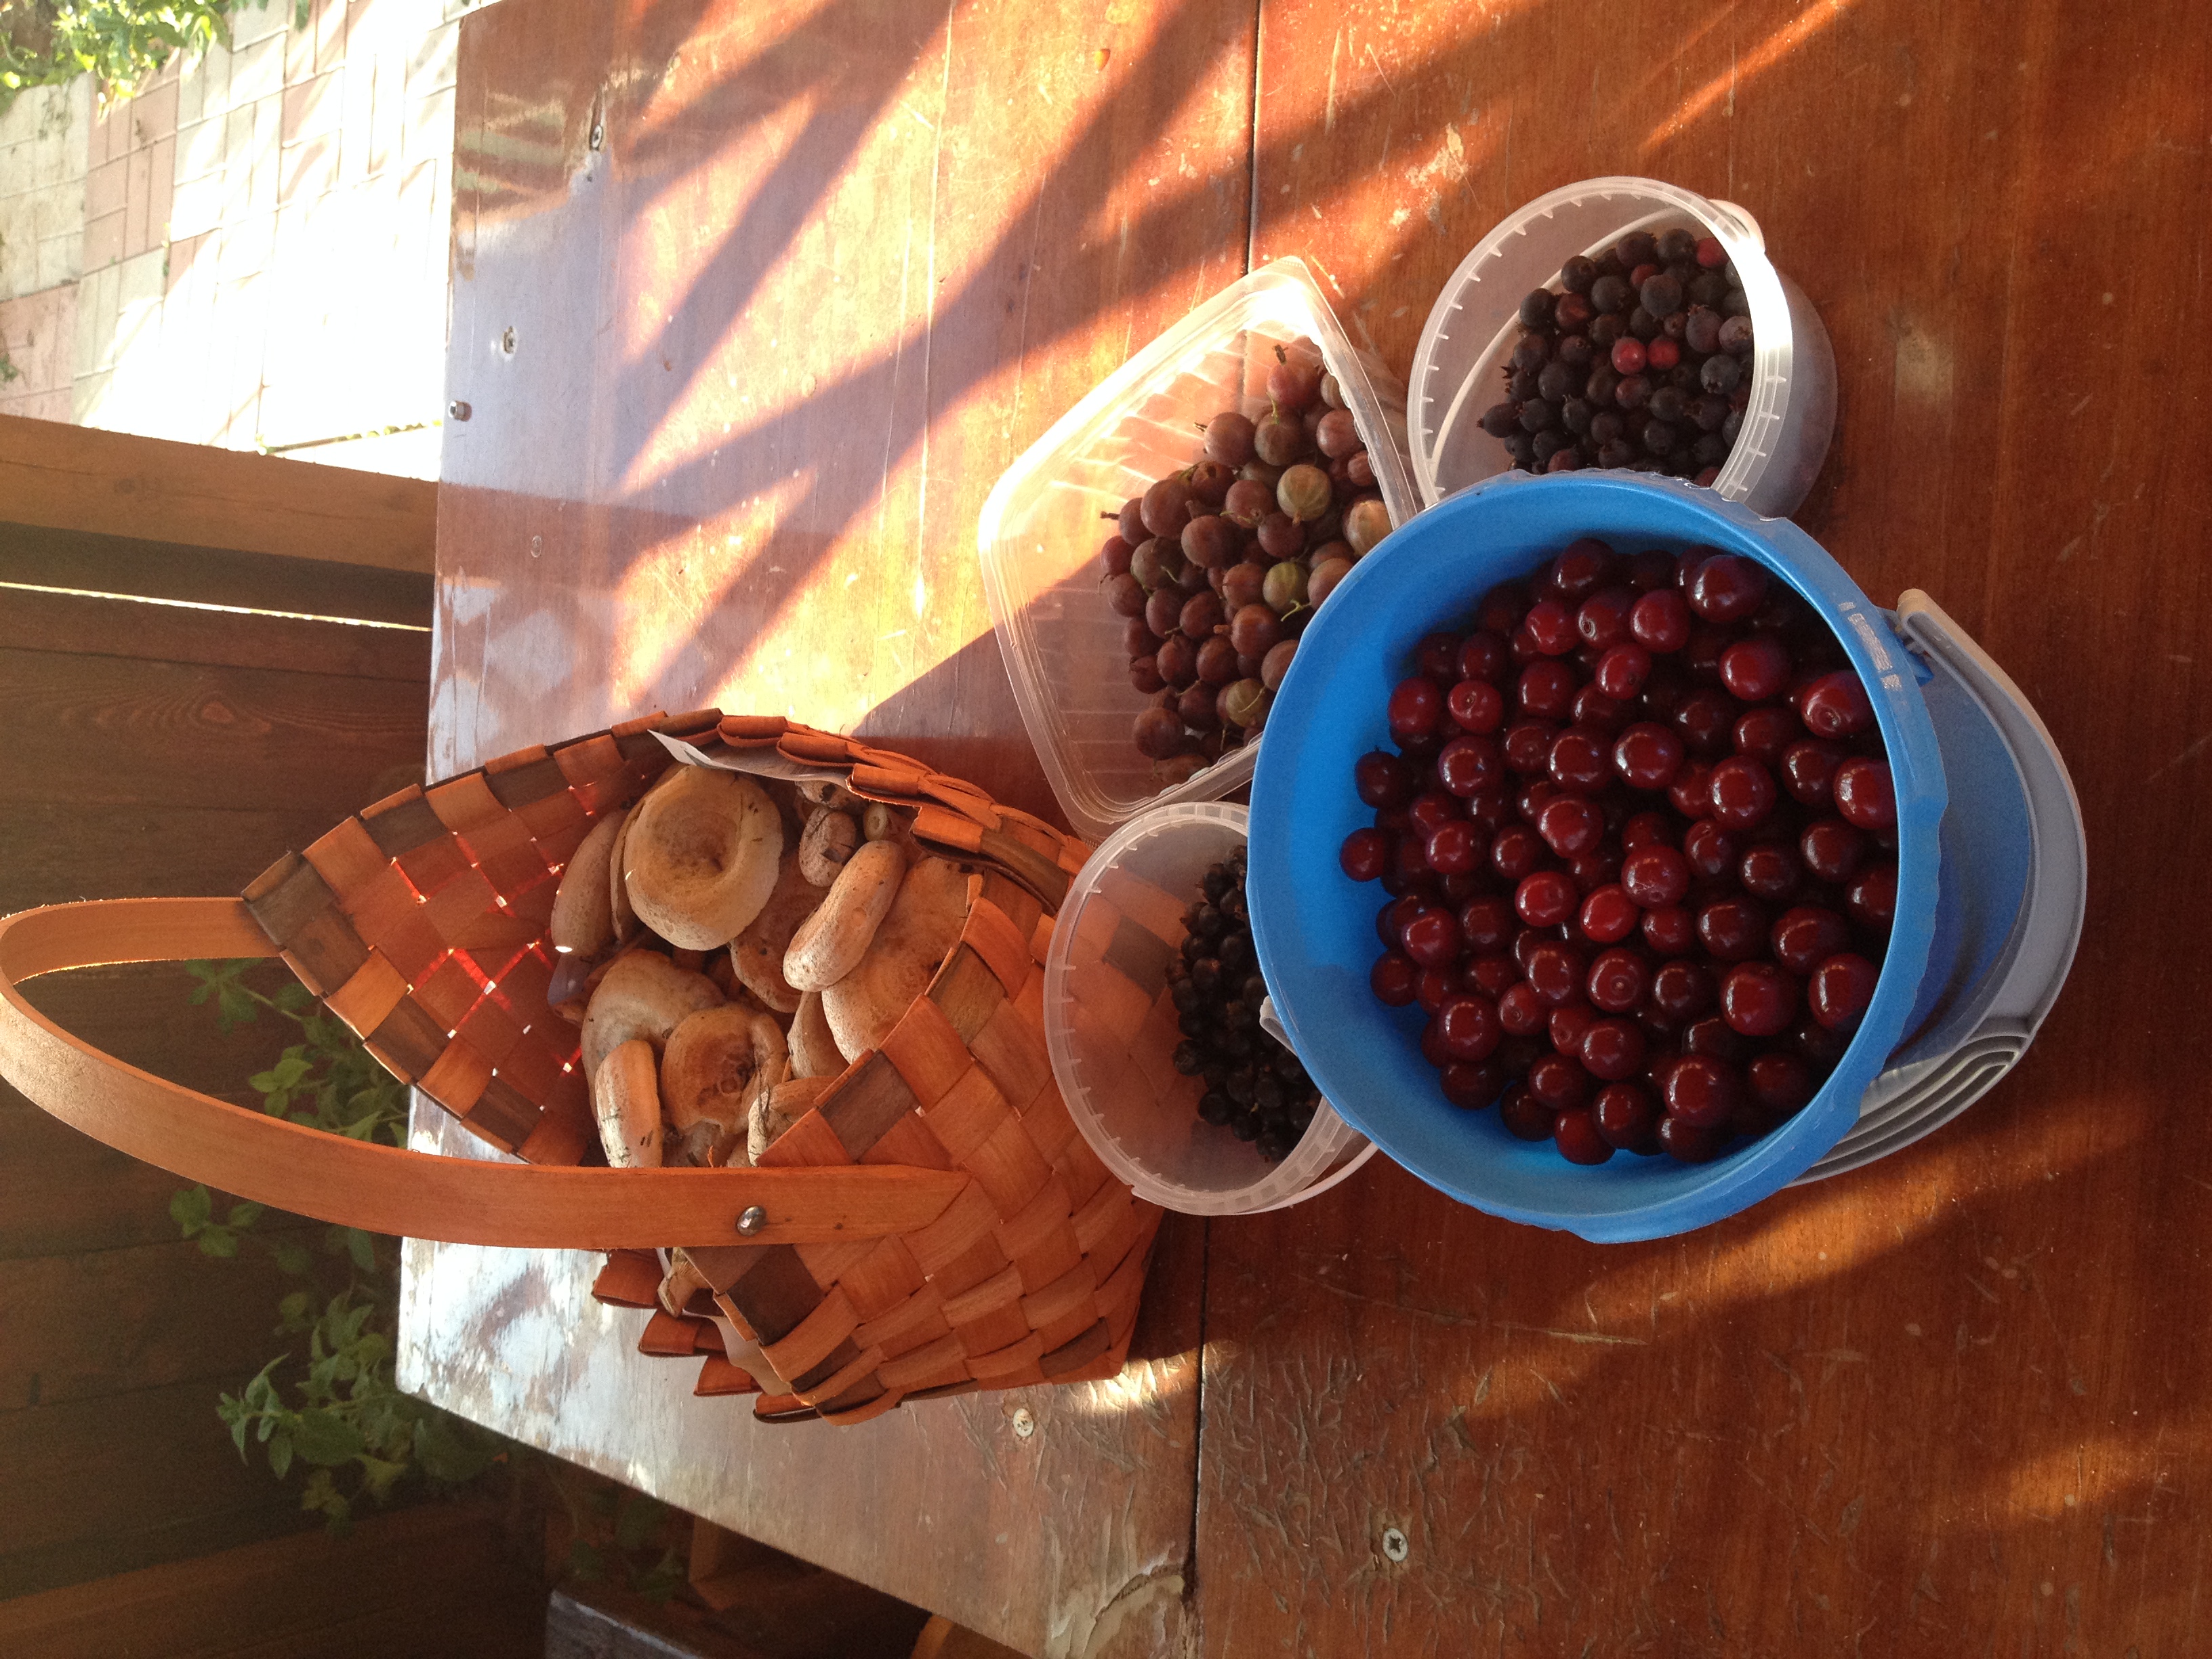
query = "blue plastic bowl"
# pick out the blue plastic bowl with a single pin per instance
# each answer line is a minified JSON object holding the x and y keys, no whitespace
{"x":1314,"y":929}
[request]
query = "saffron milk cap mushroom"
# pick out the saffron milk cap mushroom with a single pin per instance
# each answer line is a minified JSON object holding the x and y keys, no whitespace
{"x":626,"y":1101}
{"x":813,"y":1050}
{"x":776,"y":1109}
{"x":716,"y":1061}
{"x":642,"y":995}
{"x":830,"y":943}
{"x":923,"y":926}
{"x":583,"y":921}
{"x":701,"y":856}
{"x":756,"y":955}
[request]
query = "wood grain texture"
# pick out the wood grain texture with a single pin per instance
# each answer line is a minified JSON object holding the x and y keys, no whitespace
{"x":837,"y":265}
{"x":1945,"y":1405}
{"x":102,"y":626}
{"x":117,"y":483}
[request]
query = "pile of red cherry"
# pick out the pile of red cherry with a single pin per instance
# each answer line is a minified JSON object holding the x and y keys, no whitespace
{"x":1639,"y":837}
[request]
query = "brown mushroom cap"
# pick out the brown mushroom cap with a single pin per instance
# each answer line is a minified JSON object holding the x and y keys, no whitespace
{"x":716,"y":1061}
{"x":757,"y":954}
{"x":702,"y":855}
{"x":642,"y":995}
{"x":923,"y":926}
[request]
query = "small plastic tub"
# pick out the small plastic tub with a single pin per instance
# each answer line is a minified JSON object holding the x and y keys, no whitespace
{"x":1111,"y":1029}
{"x":1314,"y":930}
{"x":1475,"y":324}
{"x":1041,"y":529}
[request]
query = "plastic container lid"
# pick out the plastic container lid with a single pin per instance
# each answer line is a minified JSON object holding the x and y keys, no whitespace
{"x":1314,"y":930}
{"x":1111,"y":1030}
{"x":1475,"y":324}
{"x":1041,"y":529}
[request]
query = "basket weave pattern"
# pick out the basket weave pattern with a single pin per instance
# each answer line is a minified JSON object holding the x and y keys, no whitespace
{"x":421,"y":923}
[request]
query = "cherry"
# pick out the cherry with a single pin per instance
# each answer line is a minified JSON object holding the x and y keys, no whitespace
{"x":1392,"y":979}
{"x":1656,"y":876}
{"x":1602,"y":622}
{"x":1575,"y":1134}
{"x":1545,"y":899}
{"x":1486,"y":924}
{"x":1835,"y":706}
{"x":1555,"y":972}
{"x":1819,"y":1047}
{"x":1524,"y":1115}
{"x":1453,"y":849}
{"x":1474,"y":706}
{"x":1808,"y":771}
{"x":1865,"y":793}
{"x":1840,"y":989}
{"x":1647,"y":828}
{"x":1626,"y":1116}
{"x":1502,"y":609}
{"x":1707,"y":849}
{"x":1481,"y":656}
{"x":1702,"y":1091}
{"x":1515,"y":852}
{"x":1647,"y":755}
{"x":1691,"y":1142}
{"x":1566,"y":1024}
{"x":1613,"y":1050}
{"x":1430,"y":988}
{"x":1491,"y":808}
{"x":1391,"y":922}
{"x":1526,"y":941}
{"x":1365,"y":855}
{"x":1733,"y":930}
{"x":1806,"y":936}
{"x":1409,"y":863}
{"x":1872,"y":898}
{"x":1429,"y":811}
{"x":1671,"y":932}
{"x":1727,"y":588}
{"x":1681,"y":990}
{"x":1621,"y":672}
{"x":1433,"y":937}
{"x":1491,"y":976}
{"x":1780,"y":1083}
{"x":1755,"y":668}
{"x":1559,"y":1082}
{"x":1609,"y":913}
{"x":1743,"y":793}
{"x":1469,"y":764}
{"x":1472,"y":1086}
{"x":1570,"y":825}
{"x":1691,"y":791}
{"x":1769,"y":871}
{"x":1528,"y":745}
{"x":1618,"y":980}
{"x":1833,"y":850}
{"x":1550,"y":627}
{"x":1467,"y":1027}
{"x":1546,"y":689}
{"x":1579,"y":760}
{"x":1713,"y":1038}
{"x":1521,"y":1012}
{"x":1628,"y":356}
{"x":1437,"y":656}
{"x":1758,"y":1000}
{"x":1415,"y":708}
{"x":1383,"y":778}
{"x":1593,"y":710}
{"x":1661,"y":621}
{"x":1706,"y":720}
{"x":1765,"y":734}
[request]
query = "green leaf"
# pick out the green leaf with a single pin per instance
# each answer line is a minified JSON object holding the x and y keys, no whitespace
{"x":293,"y":1306}
{"x":218,"y":1242}
{"x":664,"y":1579}
{"x":293,"y":997}
{"x":380,"y":1475}
{"x":291,"y":1257}
{"x":327,"y":1439}
{"x":362,"y":1250}
{"x":639,"y":1521}
{"x":451,"y":1450}
{"x":243,"y":1216}
{"x":191,"y":1208}
{"x":279,"y":1455}
{"x":585,"y":1562}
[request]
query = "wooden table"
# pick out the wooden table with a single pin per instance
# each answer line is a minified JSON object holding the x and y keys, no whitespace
{"x":752,"y":306}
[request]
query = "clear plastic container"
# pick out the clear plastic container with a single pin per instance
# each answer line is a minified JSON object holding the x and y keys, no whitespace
{"x":1474,"y":326}
{"x":1111,"y":1029}
{"x":1041,"y":529}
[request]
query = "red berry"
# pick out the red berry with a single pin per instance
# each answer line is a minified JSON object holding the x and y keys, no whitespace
{"x":1769,"y":871}
{"x":1476,"y":706}
{"x":1392,"y":979}
{"x":1416,"y":706}
{"x":1546,"y":689}
{"x":1486,"y":924}
{"x":1808,"y":771}
{"x":1743,"y":793}
{"x":1758,"y":1000}
{"x":1570,"y":825}
{"x":1467,"y":1027}
{"x":1628,"y":356}
{"x":1646,"y":829}
{"x":1647,"y":755}
{"x":1383,"y":778}
{"x":1691,"y":1142}
{"x":1577,"y":1136}
{"x":1471,"y":1086}
{"x":1681,"y":990}
{"x":1559,"y":1082}
{"x":1626,"y":1116}
{"x":1872,"y":898}
{"x":1527,"y":745}
{"x":1469,"y":764}
{"x":1521,"y":1011}
{"x":1433,"y":937}
{"x":1711,"y":256}
{"x":1430,"y":987}
{"x":1865,"y":794}
{"x":1580,"y":760}
{"x":1833,"y":850}
{"x":1662,"y":353}
{"x":1840,"y":989}
{"x":1780,"y":1083}
{"x":1622,"y":671}
{"x":1702,"y":1091}
{"x":1835,"y":706}
{"x":1600,"y":713}
{"x":1602,"y":621}
{"x":1613,"y":1050}
{"x":1550,"y":626}
{"x":1584,"y":566}
{"x":1804,"y":937}
{"x":1766,"y":734}
{"x":1482,"y":656}
{"x":1515,"y":851}
{"x":1365,"y":855}
{"x":1618,"y":982}
{"x":1609,"y":914}
{"x":1691,"y":791}
{"x":1437,"y":656}
{"x":1526,"y":1117}
{"x":1545,"y":899}
{"x":1733,"y":930}
{"x":1755,"y":668}
{"x":1455,"y":848}
{"x":1656,"y":876}
{"x":1661,"y":621}
{"x":1555,"y":972}
{"x":1429,"y":809}
{"x":1491,"y":976}
{"x":1565,"y":1026}
{"x":1709,"y":850}
{"x":1707,"y":721}
{"x":1672,"y":932}
{"x":1727,"y":588}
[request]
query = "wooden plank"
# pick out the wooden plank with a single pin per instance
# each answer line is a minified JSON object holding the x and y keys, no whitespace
{"x":102,"y":1486}
{"x":159,"y":569}
{"x":54,"y":851}
{"x":430,"y":1580}
{"x":120,"y":484}
{"x":113,"y":1321}
{"x":97,"y":625}
{"x":1948,"y":1405}
{"x":107,"y":732}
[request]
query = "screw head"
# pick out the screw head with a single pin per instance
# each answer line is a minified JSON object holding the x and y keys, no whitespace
{"x":507,"y":342}
{"x":1395,"y":1546}
{"x":599,"y":135}
{"x":458,"y":410}
{"x":1025,"y":1425}
{"x":752,"y":1220}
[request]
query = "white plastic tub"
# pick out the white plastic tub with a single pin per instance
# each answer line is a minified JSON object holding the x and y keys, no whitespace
{"x":1475,"y":324}
{"x":1040,"y":530}
{"x":1110,"y":1028}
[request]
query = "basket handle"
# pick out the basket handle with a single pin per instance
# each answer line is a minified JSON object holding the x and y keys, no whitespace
{"x":384,"y":1188}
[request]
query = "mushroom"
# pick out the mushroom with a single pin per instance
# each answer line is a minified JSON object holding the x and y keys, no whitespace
{"x":618,"y":904}
{"x":626,"y":1100}
{"x":923,"y":924}
{"x":830,"y":840}
{"x":756,"y":955}
{"x":583,"y":917}
{"x":813,"y":1050}
{"x":830,"y":943}
{"x":643,"y":994}
{"x":776,"y":1109}
{"x":717,"y":1062}
{"x":702,"y":855}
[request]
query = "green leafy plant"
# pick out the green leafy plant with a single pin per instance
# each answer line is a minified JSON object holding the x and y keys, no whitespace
{"x":46,"y":42}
